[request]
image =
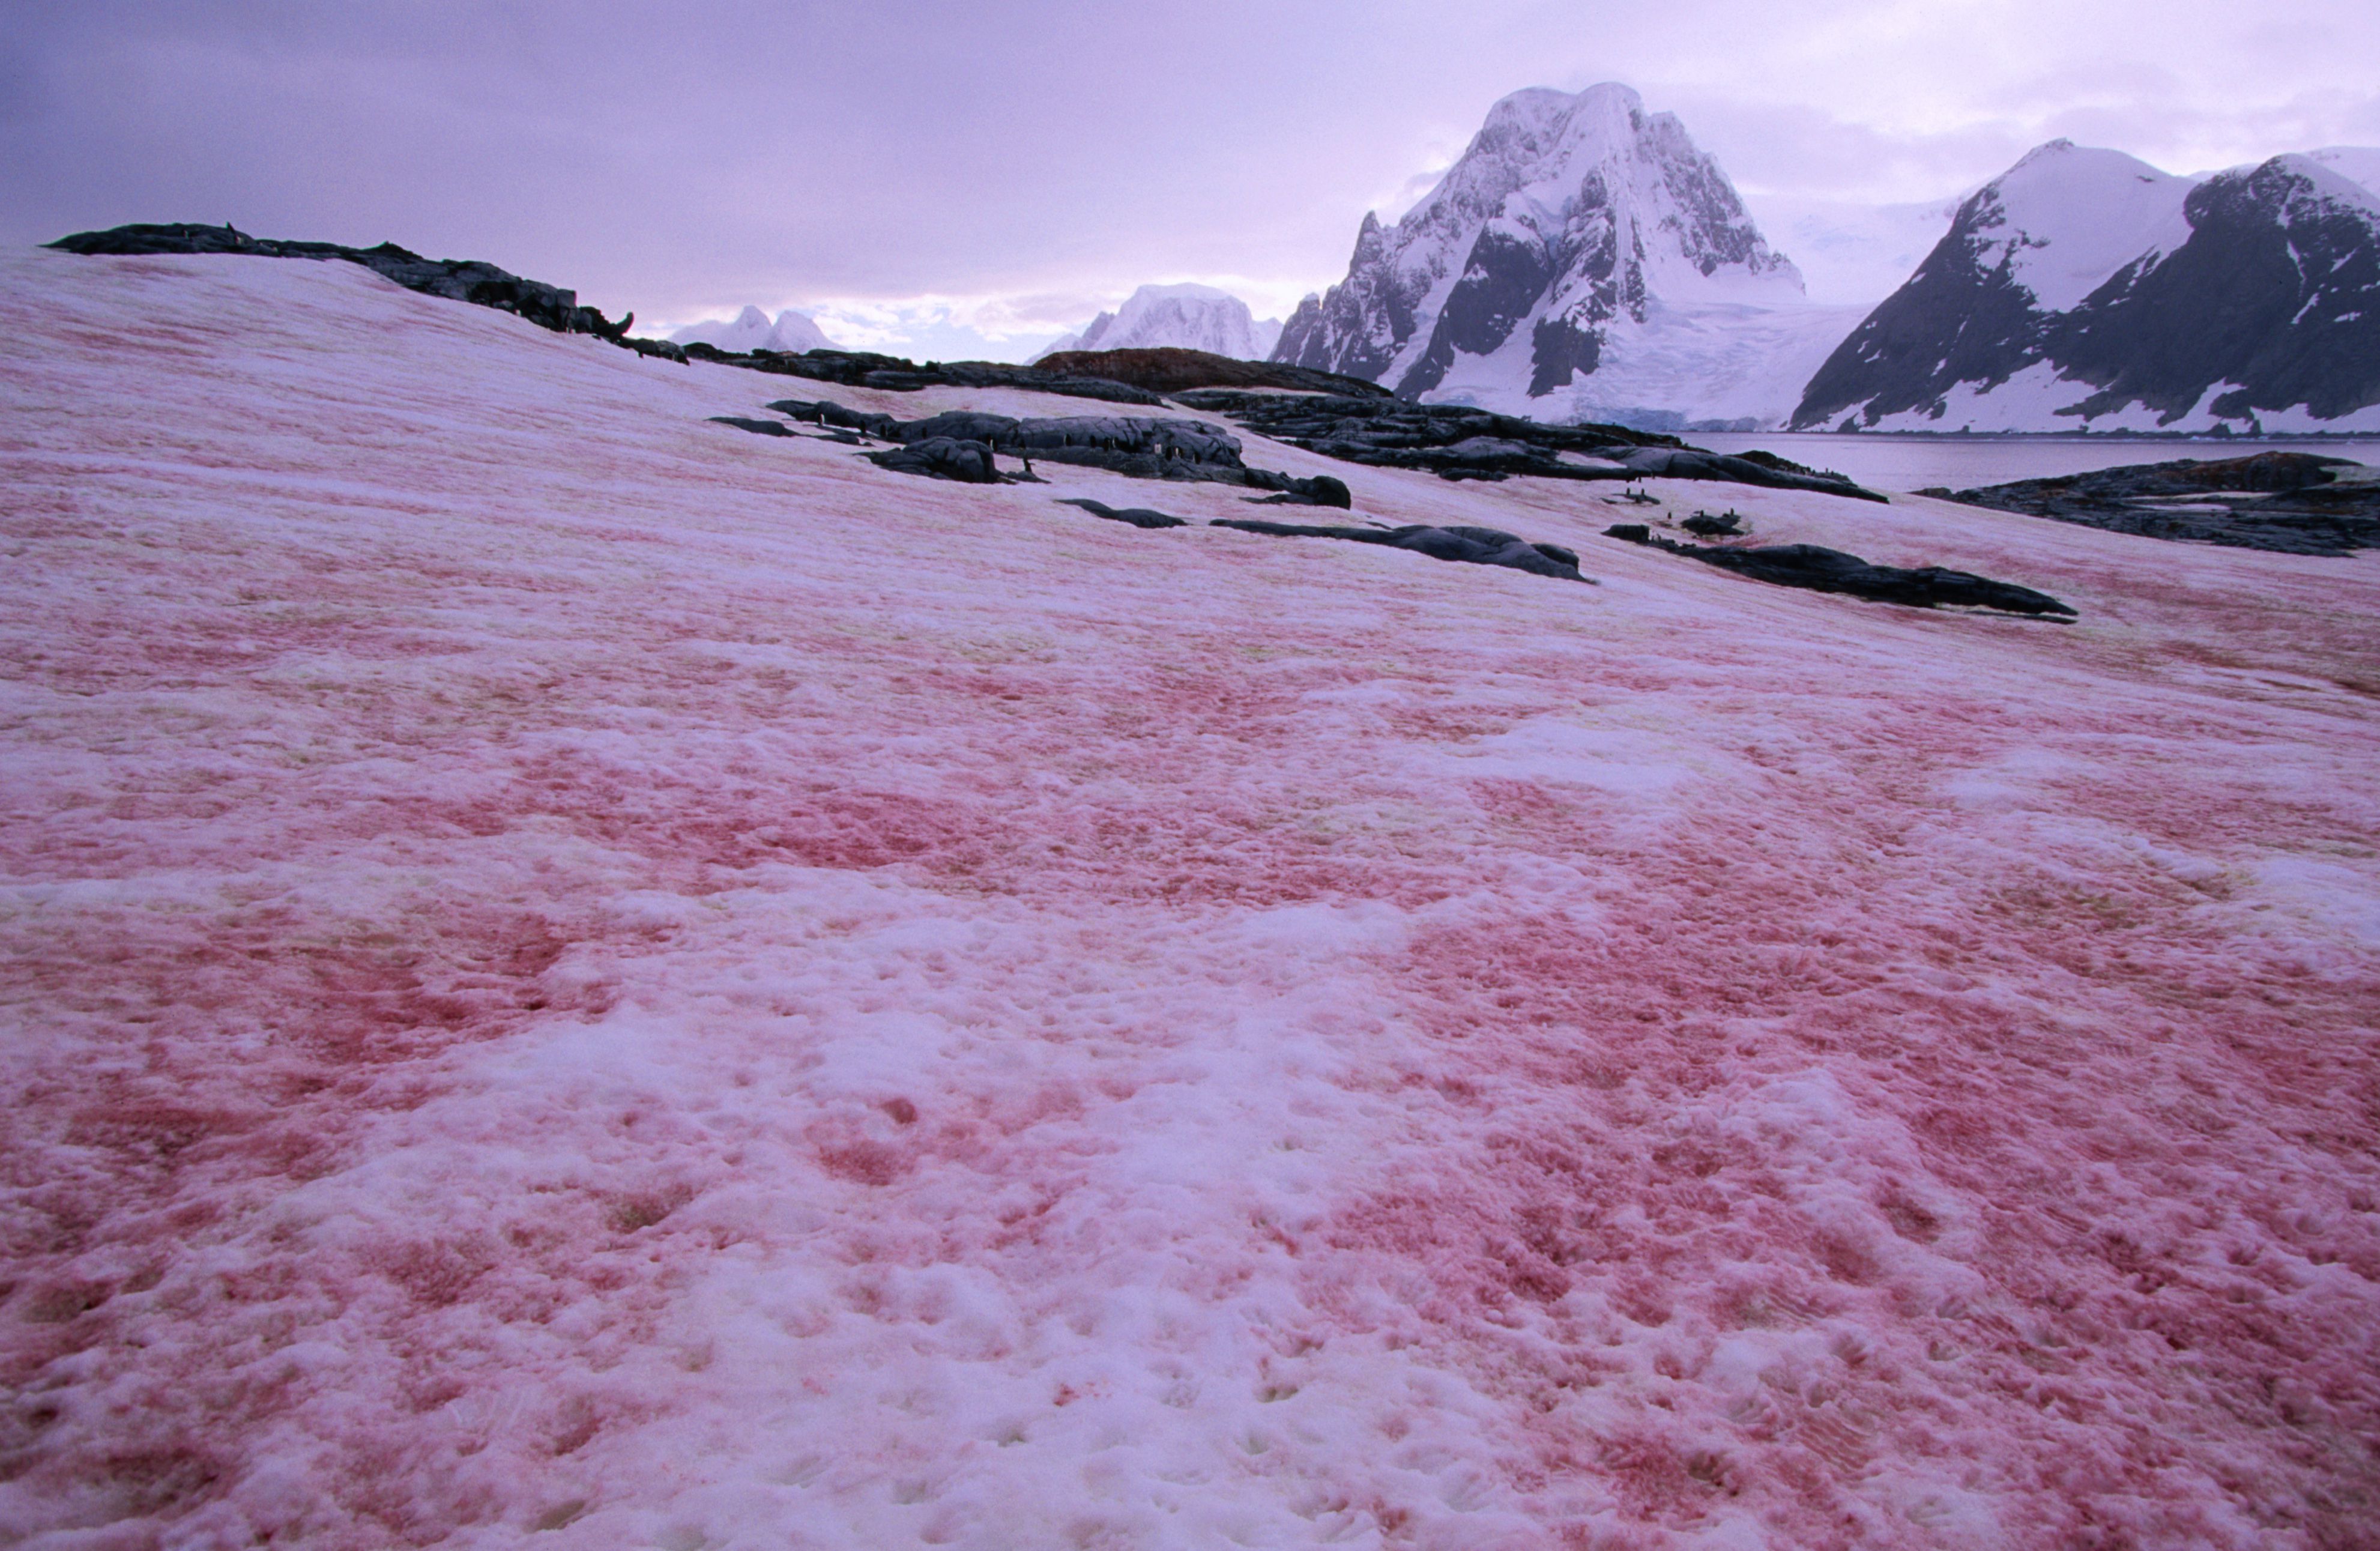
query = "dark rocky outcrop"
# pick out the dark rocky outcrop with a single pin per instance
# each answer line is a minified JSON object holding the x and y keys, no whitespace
{"x":2288,"y":502}
{"x":1139,"y":516}
{"x":1170,"y":371}
{"x":1825,"y":570}
{"x":467,"y":280}
{"x":1147,"y":448}
{"x":1710,"y":525}
{"x":1456,"y":443}
{"x":1478,"y":546}
{"x":940,"y":457}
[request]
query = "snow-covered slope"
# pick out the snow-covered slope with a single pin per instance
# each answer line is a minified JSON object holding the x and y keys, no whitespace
{"x":580,"y":979}
{"x":1583,"y":259}
{"x":1178,"y":317}
{"x":2084,"y":289}
{"x":752,"y":329}
{"x":2357,"y":163}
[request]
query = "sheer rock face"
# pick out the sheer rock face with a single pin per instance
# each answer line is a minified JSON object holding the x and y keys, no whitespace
{"x":2083,"y":289}
{"x":1568,"y":221}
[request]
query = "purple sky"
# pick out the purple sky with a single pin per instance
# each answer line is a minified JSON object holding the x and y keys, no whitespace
{"x":963,"y":178}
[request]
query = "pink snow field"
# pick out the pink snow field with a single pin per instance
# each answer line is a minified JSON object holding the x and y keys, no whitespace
{"x":579,"y":978}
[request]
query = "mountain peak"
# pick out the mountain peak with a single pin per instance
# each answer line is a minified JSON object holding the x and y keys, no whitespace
{"x":1570,"y":215}
{"x":2083,"y":286}
{"x":752,"y":329}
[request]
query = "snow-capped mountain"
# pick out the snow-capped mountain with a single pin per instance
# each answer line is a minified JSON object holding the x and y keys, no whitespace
{"x":752,"y":329}
{"x":1178,"y":317}
{"x":2083,"y":289}
{"x":1583,"y":259}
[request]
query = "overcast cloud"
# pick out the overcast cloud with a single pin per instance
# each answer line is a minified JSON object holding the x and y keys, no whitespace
{"x":956,"y":179}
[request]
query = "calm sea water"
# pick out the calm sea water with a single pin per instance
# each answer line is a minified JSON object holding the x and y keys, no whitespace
{"x":1908,"y":463}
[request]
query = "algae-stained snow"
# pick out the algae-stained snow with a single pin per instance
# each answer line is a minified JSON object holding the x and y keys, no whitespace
{"x":579,"y":977}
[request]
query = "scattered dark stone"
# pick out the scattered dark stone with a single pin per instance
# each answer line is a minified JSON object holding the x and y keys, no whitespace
{"x":1171,"y":371}
{"x":1706,"y":525}
{"x":1139,"y":516}
{"x":1457,"y":442}
{"x":941,"y":457}
{"x":759,"y":428}
{"x":1825,"y":570}
{"x":2287,"y":503}
{"x":468,"y":280}
{"x":1479,"y":546}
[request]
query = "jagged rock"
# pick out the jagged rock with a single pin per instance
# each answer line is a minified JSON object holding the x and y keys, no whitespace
{"x":1825,"y":570}
{"x":1139,"y":516}
{"x":941,"y":457}
{"x":1705,"y":525}
{"x":1478,"y":546}
{"x":759,"y":428}
{"x":2288,"y":502}
{"x":1457,"y":442}
{"x":467,"y":280}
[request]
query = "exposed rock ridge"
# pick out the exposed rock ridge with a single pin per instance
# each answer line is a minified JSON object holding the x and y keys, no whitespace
{"x":1172,"y":371}
{"x":467,"y":280}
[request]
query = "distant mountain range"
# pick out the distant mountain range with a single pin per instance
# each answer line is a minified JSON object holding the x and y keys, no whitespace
{"x":1180,"y":317}
{"x":754,"y":330}
{"x":1585,"y":259}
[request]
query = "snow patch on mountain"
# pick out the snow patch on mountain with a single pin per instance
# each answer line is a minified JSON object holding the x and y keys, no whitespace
{"x":754,"y":330}
{"x":1182,"y":317}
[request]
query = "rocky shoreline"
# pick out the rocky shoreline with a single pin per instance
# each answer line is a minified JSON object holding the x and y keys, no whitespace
{"x":2283,"y":502}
